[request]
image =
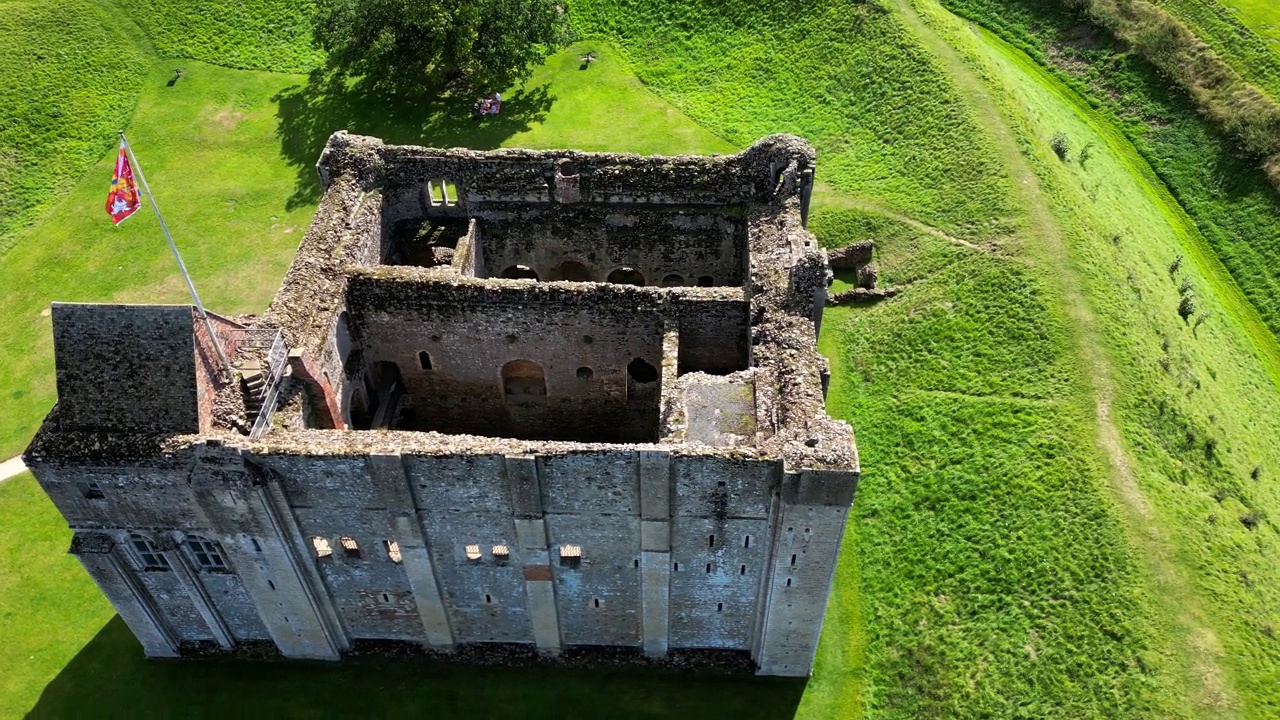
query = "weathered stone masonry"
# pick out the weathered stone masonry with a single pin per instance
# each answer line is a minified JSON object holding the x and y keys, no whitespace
{"x":552,"y":399}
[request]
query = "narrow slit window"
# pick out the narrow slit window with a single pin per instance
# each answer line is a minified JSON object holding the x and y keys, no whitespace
{"x":746,"y":541}
{"x":742,"y":569}
{"x":637,"y":563}
{"x":711,"y":541}
{"x":677,"y":568}
{"x":393,"y":550}
{"x":350,"y":549}
{"x":473,"y":552}
{"x":788,"y":582}
{"x":596,"y":602}
{"x":424,"y":360}
{"x":386,"y":599}
{"x":257,"y":547}
{"x":322,"y":547}
{"x":708,"y":567}
{"x":719,"y":607}
{"x":488,"y":599}
{"x":793,"y":560}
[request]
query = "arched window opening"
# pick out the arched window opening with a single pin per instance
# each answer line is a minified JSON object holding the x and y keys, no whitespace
{"x":149,"y":554}
{"x":571,"y":270}
{"x":672,"y":280}
{"x":626,"y":276}
{"x":207,"y":554}
{"x":642,"y":372}
{"x":706,"y":281}
{"x":393,"y":551}
{"x":523,"y":380}
{"x":424,"y":360}
{"x":519,"y":272}
{"x":585,"y":373}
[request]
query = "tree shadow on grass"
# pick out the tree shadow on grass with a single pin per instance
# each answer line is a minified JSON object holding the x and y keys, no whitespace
{"x":434,"y":117}
{"x":110,"y":678}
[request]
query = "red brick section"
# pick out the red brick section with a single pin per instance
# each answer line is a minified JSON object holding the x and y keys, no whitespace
{"x":537,"y":572}
{"x":323,"y":398}
{"x":208,"y":367}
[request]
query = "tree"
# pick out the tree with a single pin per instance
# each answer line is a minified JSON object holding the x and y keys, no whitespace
{"x":481,"y":43}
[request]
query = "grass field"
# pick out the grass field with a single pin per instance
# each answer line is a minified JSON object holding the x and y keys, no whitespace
{"x":1056,"y":465}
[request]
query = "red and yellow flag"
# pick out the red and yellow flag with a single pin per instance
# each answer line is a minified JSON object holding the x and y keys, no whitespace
{"x":123,"y":200}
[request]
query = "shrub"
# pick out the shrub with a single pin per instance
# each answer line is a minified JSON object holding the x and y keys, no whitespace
{"x":1186,"y":306}
{"x":1061,"y":145}
{"x":1184,"y":287}
{"x":1252,"y":519}
{"x":1175,"y":265}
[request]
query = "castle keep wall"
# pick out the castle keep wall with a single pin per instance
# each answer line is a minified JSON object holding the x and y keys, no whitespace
{"x":481,"y":442}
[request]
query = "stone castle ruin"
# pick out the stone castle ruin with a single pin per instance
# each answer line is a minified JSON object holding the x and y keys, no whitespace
{"x":546,"y":401}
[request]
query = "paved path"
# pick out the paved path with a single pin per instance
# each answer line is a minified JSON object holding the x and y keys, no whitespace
{"x":11,"y":467}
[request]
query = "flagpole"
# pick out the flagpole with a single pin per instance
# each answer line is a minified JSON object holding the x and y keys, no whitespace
{"x":217,"y":346}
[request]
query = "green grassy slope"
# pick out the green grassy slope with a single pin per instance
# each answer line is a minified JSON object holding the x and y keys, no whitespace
{"x":1227,"y":31}
{"x":72,"y":72}
{"x":1199,"y":404}
{"x":846,"y":76}
{"x":258,"y":35}
{"x":1227,"y":197}
{"x":1262,"y":16}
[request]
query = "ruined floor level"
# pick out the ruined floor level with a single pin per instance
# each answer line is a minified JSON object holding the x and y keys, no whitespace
{"x":551,"y":399}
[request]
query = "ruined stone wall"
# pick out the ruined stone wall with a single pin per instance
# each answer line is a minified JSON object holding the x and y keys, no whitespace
{"x":583,"y":341}
{"x":667,"y":247}
{"x":126,"y":367}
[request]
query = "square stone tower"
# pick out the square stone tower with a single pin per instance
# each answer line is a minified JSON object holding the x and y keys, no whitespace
{"x":541,"y":401}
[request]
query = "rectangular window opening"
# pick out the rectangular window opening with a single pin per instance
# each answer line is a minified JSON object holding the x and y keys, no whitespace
{"x":149,"y":554}
{"x":207,"y":554}
{"x":677,"y":568}
{"x":570,"y":556}
{"x":742,"y":569}
{"x":350,"y":549}
{"x":746,"y":541}
{"x":488,"y":599}
{"x":719,"y":607}
{"x":257,"y":547}
{"x":793,"y":561}
{"x":708,"y":567}
{"x":393,"y":550}
{"x":788,"y":582}
{"x":321,"y":546}
{"x":711,"y":541}
{"x":472,"y":552}
{"x":596,"y":601}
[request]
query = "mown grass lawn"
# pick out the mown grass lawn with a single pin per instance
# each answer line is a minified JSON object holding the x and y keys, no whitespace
{"x":990,"y":568}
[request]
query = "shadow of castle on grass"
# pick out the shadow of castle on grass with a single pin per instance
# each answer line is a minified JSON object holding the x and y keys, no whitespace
{"x":110,"y":678}
{"x":434,"y":117}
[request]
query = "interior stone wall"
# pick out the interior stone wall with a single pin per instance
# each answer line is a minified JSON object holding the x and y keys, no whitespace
{"x":707,"y":248}
{"x":583,"y":341}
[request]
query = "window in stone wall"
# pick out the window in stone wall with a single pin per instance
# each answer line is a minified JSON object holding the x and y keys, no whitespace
{"x":570,"y":556}
{"x":322,"y":547}
{"x":570,"y":270}
{"x":596,"y":602}
{"x":501,"y":553}
{"x":746,"y":541}
{"x":350,"y":548}
{"x":91,"y":491}
{"x":519,"y":272}
{"x":393,"y":550}
{"x":719,"y":607}
{"x":706,"y":281}
{"x":742,"y":569}
{"x":672,"y":280}
{"x":207,"y":554}
{"x":641,"y":372}
{"x":473,"y":552}
{"x":626,"y":276}
{"x":523,"y":381}
{"x":150,"y":558}
{"x":424,"y":360}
